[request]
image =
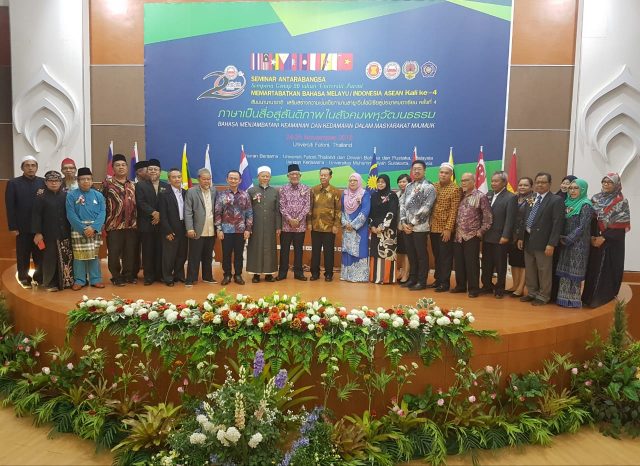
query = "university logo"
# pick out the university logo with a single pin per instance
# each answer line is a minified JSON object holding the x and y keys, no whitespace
{"x":391,"y":70}
{"x":373,"y":70}
{"x":227,"y":84}
{"x":410,"y":69}
{"x":429,"y":69}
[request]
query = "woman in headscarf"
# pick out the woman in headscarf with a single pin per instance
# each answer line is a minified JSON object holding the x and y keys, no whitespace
{"x":383,"y":223}
{"x":562,"y":192}
{"x":356,"y":204}
{"x":402,"y":259}
{"x":574,"y":245}
{"x":611,"y":222}
{"x":516,"y":256}
{"x":564,"y":186}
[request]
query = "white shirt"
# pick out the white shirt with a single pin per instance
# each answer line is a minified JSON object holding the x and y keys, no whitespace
{"x":178,"y":194}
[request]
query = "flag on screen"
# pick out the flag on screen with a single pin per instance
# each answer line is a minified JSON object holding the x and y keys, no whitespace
{"x":207,"y":162}
{"x":134,"y":160}
{"x":110,"y":160}
{"x":481,"y":174}
{"x":345,"y":61}
{"x":372,"y":181}
{"x":512,"y":184}
{"x":186,"y":177}
{"x":453,"y":175}
{"x":246,"y":181}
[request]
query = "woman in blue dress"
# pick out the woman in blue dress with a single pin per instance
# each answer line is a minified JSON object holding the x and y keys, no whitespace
{"x":356,"y":203}
{"x":574,"y":245}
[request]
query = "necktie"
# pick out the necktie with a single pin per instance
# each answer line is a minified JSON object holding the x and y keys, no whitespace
{"x":534,"y":211}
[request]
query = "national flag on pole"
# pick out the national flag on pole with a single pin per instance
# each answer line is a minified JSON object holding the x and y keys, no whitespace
{"x":414,"y":157}
{"x":186,"y":177}
{"x":134,"y":160}
{"x":372,"y":181}
{"x":110,"y":160}
{"x":246,"y":181}
{"x":453,"y":175}
{"x":512,"y":184}
{"x":481,"y":174}
{"x":207,"y":162}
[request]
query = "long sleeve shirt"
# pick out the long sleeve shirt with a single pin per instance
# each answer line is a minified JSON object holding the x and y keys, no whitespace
{"x":19,"y":198}
{"x":416,"y":205}
{"x":295,"y":203}
{"x":85,"y":209}
{"x":233,"y":212}
{"x":325,"y":208}
{"x":445,"y":209}
{"x":474,"y":216}
{"x":120,"y":200}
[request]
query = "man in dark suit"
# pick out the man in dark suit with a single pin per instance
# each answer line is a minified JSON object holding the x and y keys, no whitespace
{"x":174,"y":240}
{"x":495,"y":242}
{"x":539,"y":234}
{"x":148,"y":204}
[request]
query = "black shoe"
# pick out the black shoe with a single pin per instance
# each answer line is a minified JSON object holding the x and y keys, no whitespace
{"x":226,"y":280}
{"x":268,"y":278}
{"x":211,"y":281}
{"x":132,"y":281}
{"x":169,"y":283}
{"x":433,"y":285}
{"x":148,"y":282}
{"x":485,"y":290}
{"x":25,"y":283}
{"x":328,"y":279}
{"x":256,"y":278}
{"x":302,"y":278}
{"x":188,"y":284}
{"x":527,"y":298}
{"x":538,"y":302}
{"x":474,"y":294}
{"x":178,"y":280}
{"x":418,"y":287}
{"x":118,"y":282}
{"x":514,"y":295}
{"x":408,"y":284}
{"x":238,"y":279}
{"x":313,"y":278}
{"x":441,"y":289}
{"x":458,"y":290}
{"x":499,"y":295}
{"x":280,"y":277}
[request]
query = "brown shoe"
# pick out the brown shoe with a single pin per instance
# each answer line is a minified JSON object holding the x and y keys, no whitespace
{"x":76,"y":287}
{"x":98,"y":285}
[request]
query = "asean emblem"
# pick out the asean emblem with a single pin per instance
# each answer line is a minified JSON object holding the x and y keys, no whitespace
{"x":373,"y":70}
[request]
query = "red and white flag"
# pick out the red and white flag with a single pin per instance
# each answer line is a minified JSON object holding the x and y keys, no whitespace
{"x":481,"y":174}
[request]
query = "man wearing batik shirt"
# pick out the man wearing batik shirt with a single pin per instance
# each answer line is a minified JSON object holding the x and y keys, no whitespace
{"x":473,"y":220}
{"x":443,"y":221}
{"x":324,"y":216}
{"x":233,"y":220}
{"x":415,"y":210}
{"x":295,"y":203}
{"x":120,"y":197}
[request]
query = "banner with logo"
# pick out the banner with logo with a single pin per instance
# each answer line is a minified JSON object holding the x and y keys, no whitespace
{"x":324,"y":83}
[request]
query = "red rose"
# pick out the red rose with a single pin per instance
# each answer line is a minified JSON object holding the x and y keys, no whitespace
{"x":384,"y":324}
{"x":358,"y":321}
{"x":119,"y":309}
{"x":267,"y":327}
{"x":144,"y":317}
{"x":255,"y":321}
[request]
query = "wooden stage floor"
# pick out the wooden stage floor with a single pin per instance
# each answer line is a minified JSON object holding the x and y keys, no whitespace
{"x":528,"y":334}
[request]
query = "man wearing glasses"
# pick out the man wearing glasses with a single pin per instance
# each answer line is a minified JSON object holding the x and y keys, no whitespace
{"x":540,"y":231}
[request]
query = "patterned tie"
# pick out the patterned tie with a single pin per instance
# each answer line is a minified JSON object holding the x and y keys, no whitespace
{"x":534,"y":211}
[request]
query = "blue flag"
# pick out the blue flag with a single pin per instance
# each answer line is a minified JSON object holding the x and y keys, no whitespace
{"x":373,"y":173}
{"x":245,"y":174}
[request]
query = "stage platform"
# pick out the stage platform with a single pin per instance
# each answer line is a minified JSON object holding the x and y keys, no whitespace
{"x":528,"y":334}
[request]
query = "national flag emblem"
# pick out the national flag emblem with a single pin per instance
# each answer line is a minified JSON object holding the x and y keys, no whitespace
{"x":186,"y":177}
{"x":110,"y":160}
{"x":246,"y":181}
{"x":372,"y":181}
{"x":345,"y":61}
{"x":134,"y":160}
{"x":481,"y":174}
{"x":512,"y":184}
{"x":453,"y":175}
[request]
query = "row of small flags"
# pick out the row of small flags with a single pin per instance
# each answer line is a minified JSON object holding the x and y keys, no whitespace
{"x":246,"y":181}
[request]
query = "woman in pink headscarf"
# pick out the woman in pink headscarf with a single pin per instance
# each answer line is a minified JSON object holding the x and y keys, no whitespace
{"x":355,"y":233}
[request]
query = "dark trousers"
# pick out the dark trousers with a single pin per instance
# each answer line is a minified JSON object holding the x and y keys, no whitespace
{"x":467,"y":261}
{"x":137,"y":255}
{"x":494,"y":257}
{"x":286,"y":238}
{"x":121,"y":258}
{"x":200,"y":252}
{"x":232,"y":244}
{"x":322,"y":241}
{"x":443,"y":257}
{"x":151,"y":255}
{"x":418,"y":255}
{"x":174,"y":255}
{"x":25,"y":250}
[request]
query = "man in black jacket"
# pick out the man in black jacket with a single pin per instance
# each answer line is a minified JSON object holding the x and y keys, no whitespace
{"x":539,"y":234}
{"x":174,"y":240}
{"x":495,"y":242}
{"x":19,"y":198}
{"x":148,"y":193}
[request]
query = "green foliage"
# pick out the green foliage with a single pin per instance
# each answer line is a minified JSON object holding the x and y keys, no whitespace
{"x":149,"y":430}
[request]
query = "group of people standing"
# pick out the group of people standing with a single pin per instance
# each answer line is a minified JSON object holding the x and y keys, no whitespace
{"x":553,"y":242}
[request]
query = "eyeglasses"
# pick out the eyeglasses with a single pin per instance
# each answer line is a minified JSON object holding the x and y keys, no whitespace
{"x":607,"y":182}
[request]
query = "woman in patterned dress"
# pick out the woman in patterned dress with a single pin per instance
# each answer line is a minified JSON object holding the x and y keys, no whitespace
{"x":356,"y":203}
{"x":383,"y":223}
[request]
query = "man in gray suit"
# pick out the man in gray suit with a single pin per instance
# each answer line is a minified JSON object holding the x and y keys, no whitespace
{"x":199,"y":207}
{"x":495,"y":241}
{"x":539,"y":234}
